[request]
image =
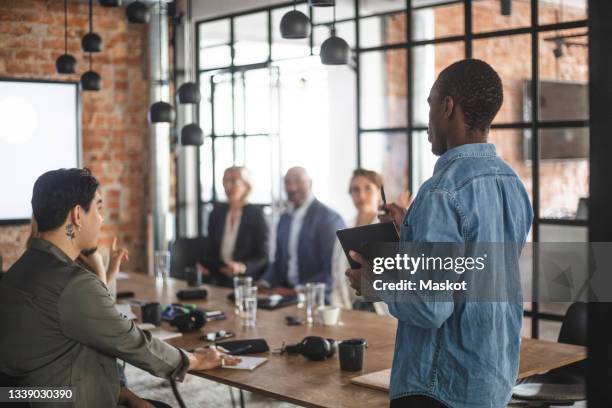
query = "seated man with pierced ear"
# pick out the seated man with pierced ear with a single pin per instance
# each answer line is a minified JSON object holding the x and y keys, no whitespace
{"x":59,"y":324}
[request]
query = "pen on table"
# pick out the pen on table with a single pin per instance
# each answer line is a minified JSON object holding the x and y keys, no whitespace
{"x":241,"y":349}
{"x":223,"y":349}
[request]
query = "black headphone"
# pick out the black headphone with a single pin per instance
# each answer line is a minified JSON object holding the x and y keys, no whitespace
{"x":183,"y":318}
{"x":313,"y":348}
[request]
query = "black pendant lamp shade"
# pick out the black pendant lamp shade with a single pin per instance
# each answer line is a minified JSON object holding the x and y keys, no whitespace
{"x":161,"y":112}
{"x":91,"y":81}
{"x":65,"y":63}
{"x":91,"y":42}
{"x":322,"y":3}
{"x":295,"y":25}
{"x":189,"y":92}
{"x":192,"y":135}
{"x":138,"y":13}
{"x":110,"y":3}
{"x":335,"y":51}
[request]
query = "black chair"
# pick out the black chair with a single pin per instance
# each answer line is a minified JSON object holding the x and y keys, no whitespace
{"x":185,"y":253}
{"x":564,"y":385}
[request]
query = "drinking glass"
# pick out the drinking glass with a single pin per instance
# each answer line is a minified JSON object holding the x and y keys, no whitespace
{"x":162,"y":267}
{"x":240,"y":282}
{"x":300,"y":293}
{"x":315,"y":299}
{"x":248,"y":309}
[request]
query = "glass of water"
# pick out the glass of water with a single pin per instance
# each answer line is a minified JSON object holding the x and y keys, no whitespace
{"x":162,"y":267}
{"x":300,"y":292}
{"x":315,"y":299}
{"x":240,"y":282}
{"x":248,"y":309}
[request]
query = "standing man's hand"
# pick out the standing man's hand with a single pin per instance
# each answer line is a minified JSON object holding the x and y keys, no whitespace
{"x":360,"y":279}
{"x":393,"y":213}
{"x":354,"y":275}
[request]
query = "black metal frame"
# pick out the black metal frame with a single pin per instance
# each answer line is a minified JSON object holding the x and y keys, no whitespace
{"x":468,"y":37}
{"x":79,"y":143}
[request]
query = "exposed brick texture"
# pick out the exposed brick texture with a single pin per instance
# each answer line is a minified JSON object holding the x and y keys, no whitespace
{"x":114,"y":126}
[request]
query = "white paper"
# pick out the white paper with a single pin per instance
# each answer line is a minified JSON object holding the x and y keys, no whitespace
{"x":248,"y":363}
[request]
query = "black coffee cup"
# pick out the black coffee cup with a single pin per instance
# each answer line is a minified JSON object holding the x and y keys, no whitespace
{"x":351,"y":354}
{"x":151,"y":313}
{"x":192,"y":276}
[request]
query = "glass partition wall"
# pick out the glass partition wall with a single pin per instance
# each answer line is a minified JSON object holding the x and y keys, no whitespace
{"x":399,"y":47}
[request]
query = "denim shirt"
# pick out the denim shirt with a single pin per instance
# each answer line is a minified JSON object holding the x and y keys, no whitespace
{"x":464,"y":354}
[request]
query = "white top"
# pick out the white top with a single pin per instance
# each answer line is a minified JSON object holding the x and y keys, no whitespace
{"x":230,"y":233}
{"x":298,"y":214}
{"x":342,"y":293}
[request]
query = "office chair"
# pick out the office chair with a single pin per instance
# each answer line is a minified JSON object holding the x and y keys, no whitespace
{"x":186,"y":252}
{"x":564,"y":385}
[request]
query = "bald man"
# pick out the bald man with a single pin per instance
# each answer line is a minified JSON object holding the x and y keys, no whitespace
{"x":305,"y":237}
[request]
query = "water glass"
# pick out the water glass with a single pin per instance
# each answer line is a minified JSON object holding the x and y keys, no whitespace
{"x":300,"y":293}
{"x":240,"y":282}
{"x":315,"y":299}
{"x":162,"y":267}
{"x":248,"y":307}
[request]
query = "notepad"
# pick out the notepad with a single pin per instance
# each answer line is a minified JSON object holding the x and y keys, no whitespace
{"x":248,"y":363}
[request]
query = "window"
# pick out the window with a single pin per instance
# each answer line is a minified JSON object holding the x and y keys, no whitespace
{"x":394,"y":66}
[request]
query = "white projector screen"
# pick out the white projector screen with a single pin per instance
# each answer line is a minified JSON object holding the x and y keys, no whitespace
{"x":39,"y":131}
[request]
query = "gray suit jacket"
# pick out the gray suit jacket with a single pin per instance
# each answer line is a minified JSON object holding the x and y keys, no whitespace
{"x":60,"y":328}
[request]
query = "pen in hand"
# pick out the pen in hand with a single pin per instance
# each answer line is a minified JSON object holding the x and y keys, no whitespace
{"x":384,"y":199}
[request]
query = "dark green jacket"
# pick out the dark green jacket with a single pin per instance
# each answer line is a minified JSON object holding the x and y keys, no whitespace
{"x":59,"y":327}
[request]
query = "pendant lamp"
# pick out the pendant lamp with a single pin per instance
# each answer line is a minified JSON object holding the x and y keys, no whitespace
{"x":137,"y":12}
{"x":335,"y":50}
{"x":160,"y":111}
{"x":65,"y":63}
{"x":91,"y":42}
{"x":295,"y":24}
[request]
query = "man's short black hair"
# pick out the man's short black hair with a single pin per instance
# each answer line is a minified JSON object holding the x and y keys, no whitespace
{"x":57,"y":192}
{"x":476,"y":88}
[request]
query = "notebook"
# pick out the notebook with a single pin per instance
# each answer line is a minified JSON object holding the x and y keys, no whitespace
{"x":248,"y":363}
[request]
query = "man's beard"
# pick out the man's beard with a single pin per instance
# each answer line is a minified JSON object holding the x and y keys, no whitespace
{"x":89,"y":251}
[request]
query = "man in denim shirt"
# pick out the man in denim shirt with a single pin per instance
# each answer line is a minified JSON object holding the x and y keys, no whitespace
{"x":455,"y":353}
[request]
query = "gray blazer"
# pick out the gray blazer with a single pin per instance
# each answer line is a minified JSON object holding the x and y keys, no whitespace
{"x":60,"y":328}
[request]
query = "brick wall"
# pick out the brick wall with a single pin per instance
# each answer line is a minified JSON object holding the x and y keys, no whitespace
{"x":114,"y":125}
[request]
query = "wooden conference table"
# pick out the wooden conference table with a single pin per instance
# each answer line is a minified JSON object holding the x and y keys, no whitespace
{"x":292,"y":378}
